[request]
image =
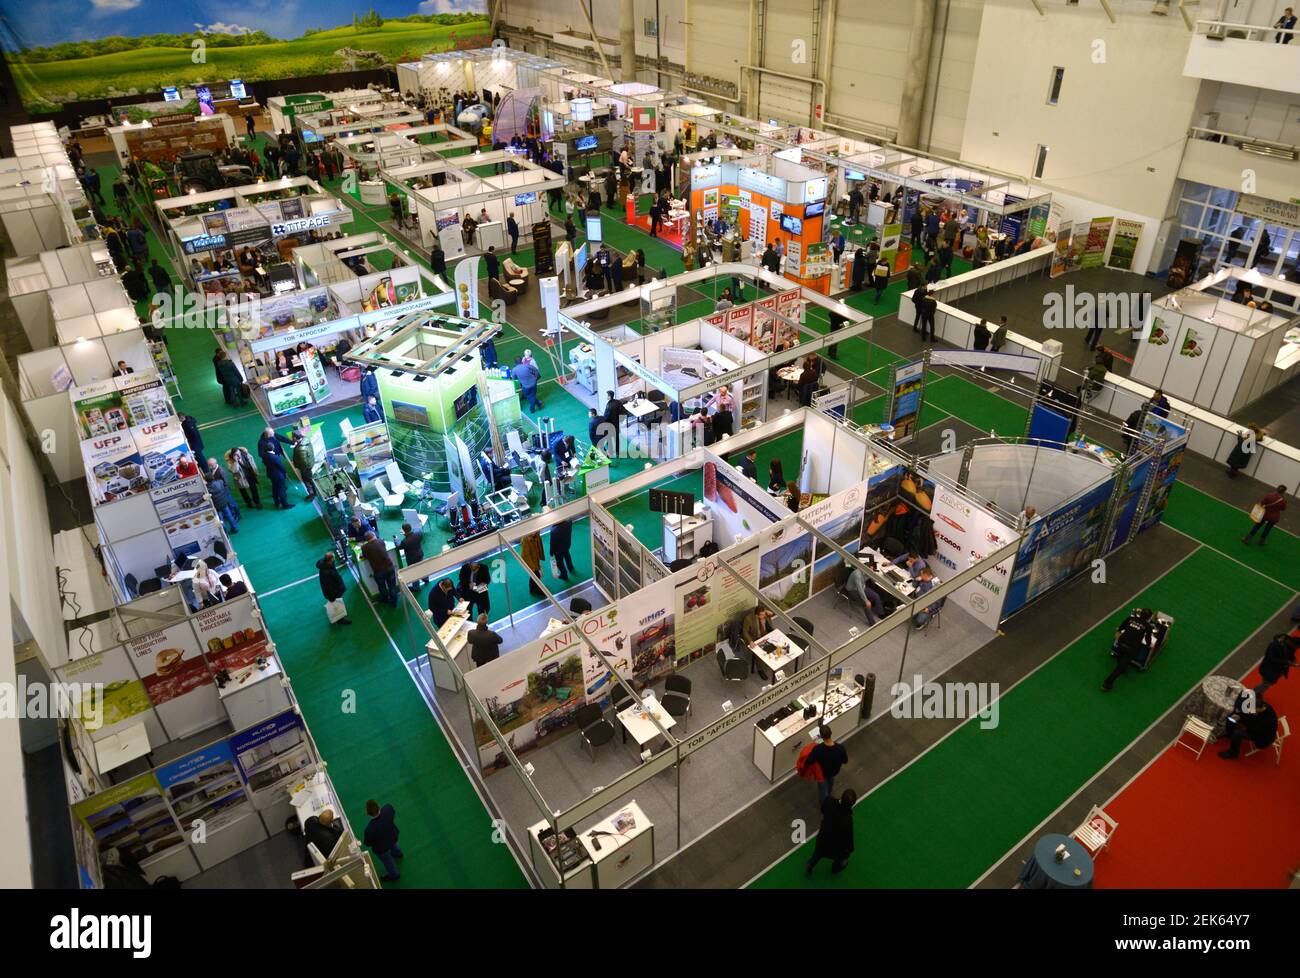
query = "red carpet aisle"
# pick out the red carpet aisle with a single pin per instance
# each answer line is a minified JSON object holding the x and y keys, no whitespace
{"x":1211,"y":823}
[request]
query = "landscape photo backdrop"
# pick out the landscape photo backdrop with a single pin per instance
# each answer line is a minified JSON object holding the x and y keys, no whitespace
{"x":62,"y":51}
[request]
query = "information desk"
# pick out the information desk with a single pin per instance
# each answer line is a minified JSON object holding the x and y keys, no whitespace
{"x":685,"y":535}
{"x":780,"y":736}
{"x":454,"y":637}
{"x":896,"y":576}
{"x":565,"y":856}
{"x":362,"y":565}
{"x":253,"y":695}
{"x":285,"y":394}
{"x":622,"y":846}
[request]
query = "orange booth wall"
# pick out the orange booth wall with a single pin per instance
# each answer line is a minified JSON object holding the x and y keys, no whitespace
{"x":812,"y":227}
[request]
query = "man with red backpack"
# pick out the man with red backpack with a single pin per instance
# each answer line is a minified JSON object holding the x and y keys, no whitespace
{"x":821,"y":762}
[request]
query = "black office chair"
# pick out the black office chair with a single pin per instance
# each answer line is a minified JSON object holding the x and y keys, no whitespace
{"x":131,"y":584}
{"x":579,"y":606}
{"x":596,"y":731}
{"x":892,"y":548}
{"x":803,"y":623}
{"x":162,"y":570}
{"x":677,"y":698}
{"x":150,"y":585}
{"x":220,"y":549}
{"x":731,"y":666}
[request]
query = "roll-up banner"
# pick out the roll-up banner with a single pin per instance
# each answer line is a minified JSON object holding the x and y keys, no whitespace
{"x":467,"y":288}
{"x":906,"y":399}
{"x":1127,"y":235}
{"x":1094,"y":247}
{"x":1062,"y":260}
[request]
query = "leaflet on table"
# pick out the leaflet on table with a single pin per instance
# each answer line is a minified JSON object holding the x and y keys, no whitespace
{"x":113,"y":469}
{"x":205,"y":787}
{"x":231,"y":634}
{"x":161,"y":445}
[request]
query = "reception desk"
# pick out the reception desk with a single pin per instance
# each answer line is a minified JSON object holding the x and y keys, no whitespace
{"x":780,"y":736}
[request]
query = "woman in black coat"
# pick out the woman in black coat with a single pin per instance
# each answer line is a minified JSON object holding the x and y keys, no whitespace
{"x":1240,"y":456}
{"x":859,"y":269}
{"x":331,"y":582}
{"x":835,"y":839}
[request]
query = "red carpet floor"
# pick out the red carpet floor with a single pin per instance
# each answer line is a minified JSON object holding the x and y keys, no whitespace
{"x":667,"y":235}
{"x":1211,"y":823}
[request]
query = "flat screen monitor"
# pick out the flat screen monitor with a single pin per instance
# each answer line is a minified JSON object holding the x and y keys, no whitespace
{"x":237,"y":88}
{"x":791,"y":224}
{"x":593,"y":228}
{"x":171,"y":95}
{"x":854,"y":175}
{"x":528,"y":198}
{"x":584,"y":143}
{"x":416,"y":414}
{"x":812,"y":210}
{"x":466,"y":401}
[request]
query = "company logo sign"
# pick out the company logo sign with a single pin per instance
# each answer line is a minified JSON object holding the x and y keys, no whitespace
{"x":951,"y":522}
{"x":315,"y":223}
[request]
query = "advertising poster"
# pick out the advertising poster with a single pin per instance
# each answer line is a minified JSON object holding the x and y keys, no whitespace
{"x":192,"y":534}
{"x":231,"y":634}
{"x":180,"y":499}
{"x":840,"y":518}
{"x":531,"y":694}
{"x":270,"y":755}
{"x":1056,"y":546}
{"x":1094,"y":248}
{"x":651,"y":626}
{"x":98,"y":408}
{"x":1128,"y":506}
{"x":132,"y":818}
{"x":739,"y":321}
{"x":123,"y":696}
{"x":205,"y":788}
{"x":145,"y":402}
{"x":1061,"y":255}
{"x":731,"y":599}
{"x":891,"y":237}
{"x":905,"y":402}
{"x":161,"y":445}
{"x":1170,"y":462}
{"x":604,"y":629}
{"x":966,"y":534}
{"x":783,"y":550}
{"x":1127,"y":235}
{"x":176,"y":678}
{"x":740,"y":508}
{"x":466,"y":277}
{"x":697,"y":615}
{"x":113,"y":467}
{"x":882,"y":506}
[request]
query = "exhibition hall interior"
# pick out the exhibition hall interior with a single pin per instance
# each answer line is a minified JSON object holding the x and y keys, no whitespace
{"x":566,"y":444}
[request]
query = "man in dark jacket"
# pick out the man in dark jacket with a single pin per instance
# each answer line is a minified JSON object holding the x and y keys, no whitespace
{"x":474,"y":586}
{"x":484,"y":644}
{"x":1256,"y":720}
{"x":614,"y":414}
{"x":442,"y":602}
{"x":412,"y":546}
{"x":561,"y":542}
{"x":512,"y":232}
{"x":372,"y":412}
{"x":1279,"y":657}
{"x":190,"y":428}
{"x":162,"y":280}
{"x":830,"y":757}
{"x":224,"y":503}
{"x":771,"y":260}
{"x":322,"y":831}
{"x":492,"y":262}
{"x":232,"y":384}
{"x":595,"y":430}
{"x":304,"y":460}
{"x":272,"y":456}
{"x":381,"y":566}
{"x":381,"y":836}
{"x":982,"y":335}
{"x":331,"y":582}
{"x":835,"y":838}
{"x":438,"y":260}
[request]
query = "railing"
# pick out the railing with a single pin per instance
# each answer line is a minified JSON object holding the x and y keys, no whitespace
{"x":1249,"y":144}
{"x":1220,"y":30}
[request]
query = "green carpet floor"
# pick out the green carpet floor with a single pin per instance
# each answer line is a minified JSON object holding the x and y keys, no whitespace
{"x":951,"y":815}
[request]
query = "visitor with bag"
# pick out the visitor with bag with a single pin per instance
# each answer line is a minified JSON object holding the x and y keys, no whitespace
{"x":1266,"y":514}
{"x":331,"y":585}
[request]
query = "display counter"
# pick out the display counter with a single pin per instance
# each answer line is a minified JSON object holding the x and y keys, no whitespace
{"x":454,"y":637}
{"x":254,"y":694}
{"x":362,"y":565}
{"x":560,"y":856}
{"x":621,"y":846}
{"x":780,"y":736}
{"x":287,"y":394}
{"x":685,"y":535}
{"x":373,"y":192}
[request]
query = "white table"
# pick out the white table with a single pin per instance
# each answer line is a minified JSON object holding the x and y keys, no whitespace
{"x":641,"y":408}
{"x":121,"y":748}
{"x":895,"y":575}
{"x":786,"y":655}
{"x":626,"y":841}
{"x":636,"y":720}
{"x":312,"y":798}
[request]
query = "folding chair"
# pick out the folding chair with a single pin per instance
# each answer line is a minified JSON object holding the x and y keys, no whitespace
{"x":1096,"y":831}
{"x":1283,"y":732}
{"x":1198,"y":730}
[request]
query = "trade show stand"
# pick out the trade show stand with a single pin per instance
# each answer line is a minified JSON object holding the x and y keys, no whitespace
{"x":780,"y":736}
{"x":606,"y":855}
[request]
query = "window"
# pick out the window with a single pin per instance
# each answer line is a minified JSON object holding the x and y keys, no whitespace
{"x":1054,"y":86}
{"x":650,"y":27}
{"x":1040,"y":160}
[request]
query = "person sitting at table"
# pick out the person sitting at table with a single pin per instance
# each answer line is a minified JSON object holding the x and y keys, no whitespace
{"x":1258,"y":722}
{"x":357,"y":528}
{"x":911,"y":561}
{"x":756,"y":624}
{"x":207,"y":585}
{"x":859,"y":586}
{"x":232,"y":588}
{"x":775,"y":477}
{"x":442,"y":602}
{"x":498,"y":476}
{"x":925,"y":582}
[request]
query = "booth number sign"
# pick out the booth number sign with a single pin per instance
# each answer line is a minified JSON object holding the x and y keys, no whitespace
{"x":302,"y":224}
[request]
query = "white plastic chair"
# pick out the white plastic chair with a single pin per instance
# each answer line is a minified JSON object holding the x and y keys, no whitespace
{"x":515,"y":444}
{"x":1199,"y":731}
{"x":1096,"y":831}
{"x":415,"y":518}
{"x":396,"y":479}
{"x":345,"y":426}
{"x":1283,"y":732}
{"x":391,"y":499}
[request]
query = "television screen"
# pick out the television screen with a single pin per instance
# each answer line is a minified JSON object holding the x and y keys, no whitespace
{"x":466,"y":401}
{"x":584,"y":143}
{"x":854,"y":175}
{"x":792,"y":224}
{"x":237,"y":88}
{"x":528,"y":198}
{"x":593,"y":228}
{"x":416,"y":414}
{"x":171,"y":95}
{"x":205,"y":100}
{"x":812,"y":210}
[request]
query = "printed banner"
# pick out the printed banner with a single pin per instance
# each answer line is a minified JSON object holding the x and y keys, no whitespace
{"x":966,"y":534}
{"x":1094,"y":248}
{"x":131,"y":818}
{"x":1064,"y":256}
{"x":1056,"y":546}
{"x":1122,"y":251}
{"x":467,"y":288}
{"x":205,"y":787}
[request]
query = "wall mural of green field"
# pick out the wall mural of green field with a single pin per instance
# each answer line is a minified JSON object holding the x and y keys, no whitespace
{"x":65,"y":51}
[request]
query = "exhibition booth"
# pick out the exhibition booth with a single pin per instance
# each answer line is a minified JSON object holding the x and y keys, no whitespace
{"x":31,"y":278}
{"x":285,"y":109}
{"x":442,"y":194}
{"x":491,"y":70}
{"x":580,"y":746}
{"x":1215,"y":345}
{"x":409,"y":146}
{"x":42,"y":203}
{"x":164,"y":137}
{"x":240,"y":239}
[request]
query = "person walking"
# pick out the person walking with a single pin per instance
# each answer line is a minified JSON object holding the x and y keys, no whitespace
{"x":880,"y":278}
{"x":835,"y":837}
{"x":243,"y":472}
{"x":304,"y":461}
{"x":561,"y":543}
{"x":484,"y":644}
{"x":1248,"y":440}
{"x":1266,"y":514}
{"x":512,"y":232}
{"x":382,"y":567}
{"x":1278,"y":659}
{"x":250,"y":126}
{"x":223,"y":502}
{"x":615,"y":411}
{"x":162,"y":279}
{"x":232,"y":383}
{"x":929,"y":304}
{"x":412,"y":547}
{"x":190,"y":428}
{"x":528,"y":375}
{"x":830,"y":757}
{"x":381,"y":837}
{"x":532,"y":554}
{"x":438,"y":260}
{"x":139,"y":245}
{"x":272,"y":456}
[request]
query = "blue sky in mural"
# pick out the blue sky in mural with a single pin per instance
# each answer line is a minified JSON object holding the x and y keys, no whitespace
{"x":39,"y":23}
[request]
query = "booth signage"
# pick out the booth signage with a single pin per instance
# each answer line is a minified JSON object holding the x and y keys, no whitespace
{"x":905,"y":398}
{"x":314,"y":223}
{"x":543,"y":254}
{"x":204,"y":242}
{"x":1273,"y":211}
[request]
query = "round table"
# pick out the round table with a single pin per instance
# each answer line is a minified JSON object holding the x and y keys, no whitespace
{"x":1043,"y":872}
{"x":1214,"y":700}
{"x":518,"y":283}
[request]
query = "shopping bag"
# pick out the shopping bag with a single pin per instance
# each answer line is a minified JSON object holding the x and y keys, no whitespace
{"x":335,"y":610}
{"x":555,"y":567}
{"x":1256,"y":513}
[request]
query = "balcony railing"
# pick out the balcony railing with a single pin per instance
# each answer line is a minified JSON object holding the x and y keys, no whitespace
{"x":1247,"y":144}
{"x":1219,"y":30}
